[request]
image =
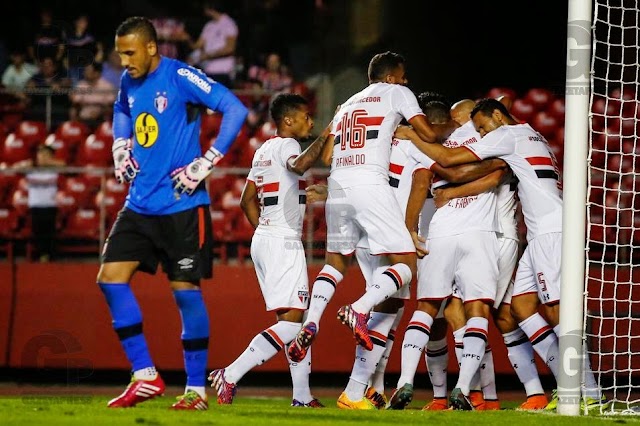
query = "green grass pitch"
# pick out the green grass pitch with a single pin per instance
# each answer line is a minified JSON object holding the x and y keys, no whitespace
{"x":92,"y":411}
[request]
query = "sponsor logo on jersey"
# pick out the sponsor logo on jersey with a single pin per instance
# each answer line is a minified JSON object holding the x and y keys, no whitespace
{"x":146,"y":128}
{"x":161,"y":102}
{"x":194,"y":78}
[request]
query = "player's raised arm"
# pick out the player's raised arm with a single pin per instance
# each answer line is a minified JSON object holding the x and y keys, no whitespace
{"x":249,"y":202}
{"x":469,"y":172}
{"x":309,"y":156}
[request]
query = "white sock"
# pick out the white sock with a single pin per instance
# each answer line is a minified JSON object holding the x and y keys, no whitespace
{"x":416,"y":338}
{"x":323,"y":289}
{"x":458,"y":336}
{"x":262,"y":348}
{"x":365,"y":362}
{"x":437,"y":357}
{"x":300,"y":377}
{"x":149,"y":373}
{"x":522,"y":360}
{"x":488,"y":375}
{"x":475,"y":341}
{"x":591,"y":388}
{"x":377,"y":381}
{"x":200,"y":390}
{"x":544,"y":341}
{"x":384,"y":285}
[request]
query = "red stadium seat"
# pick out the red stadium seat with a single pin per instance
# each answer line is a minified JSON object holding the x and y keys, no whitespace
{"x":95,"y":150}
{"x":67,"y":202}
{"x":8,"y":183}
{"x":105,"y":131}
{"x":539,"y":98}
{"x":63,"y":150}
{"x":546,"y":124}
{"x":15,"y":149}
{"x":496,"y":92}
{"x":78,"y":187}
{"x":73,"y":132}
{"x":522,"y":110}
{"x":556,"y":109}
{"x":82,"y":224}
{"x":20,"y":201}
{"x":33,"y":133}
{"x":9,"y":222}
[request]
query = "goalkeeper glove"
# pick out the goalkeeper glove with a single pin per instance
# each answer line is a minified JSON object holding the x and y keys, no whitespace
{"x":187,"y":178}
{"x":125,"y":166}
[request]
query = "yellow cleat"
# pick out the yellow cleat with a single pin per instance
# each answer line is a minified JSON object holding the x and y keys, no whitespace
{"x":346,"y":404}
{"x":376,"y":398}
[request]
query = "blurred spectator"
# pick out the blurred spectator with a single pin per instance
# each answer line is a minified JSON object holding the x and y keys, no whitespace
{"x":82,"y":49}
{"x":16,"y":76}
{"x":49,"y":77}
{"x":42,"y":185}
{"x":214,"y":52}
{"x":112,"y":68}
{"x":48,"y":40}
{"x":172,"y":36}
{"x":258,"y":104}
{"x":93,"y":97}
{"x":274,"y":76}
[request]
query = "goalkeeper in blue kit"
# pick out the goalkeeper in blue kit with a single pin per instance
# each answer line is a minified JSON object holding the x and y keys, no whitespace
{"x":165,"y":219}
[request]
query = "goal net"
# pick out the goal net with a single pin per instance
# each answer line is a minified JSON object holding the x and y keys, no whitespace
{"x":612,"y":297}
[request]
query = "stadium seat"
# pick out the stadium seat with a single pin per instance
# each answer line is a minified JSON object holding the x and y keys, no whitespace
{"x":96,"y":150}
{"x":9,"y":221}
{"x":67,"y":202}
{"x":557,"y":109}
{"x":8,"y":183}
{"x":522,"y":110}
{"x":73,"y":132}
{"x":62,"y":149}
{"x":15,"y":149}
{"x":546,"y":124}
{"x":539,"y":98}
{"x":222,"y":229}
{"x":33,"y":133}
{"x":104,"y":131}
{"x":78,"y":187}
{"x":82,"y":224}
{"x":20,"y":201}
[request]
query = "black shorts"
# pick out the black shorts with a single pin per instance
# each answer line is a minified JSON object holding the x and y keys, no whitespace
{"x":182,"y":242}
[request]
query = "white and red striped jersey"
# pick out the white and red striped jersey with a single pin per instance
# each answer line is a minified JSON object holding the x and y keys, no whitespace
{"x":472,"y":213}
{"x":281,"y":192}
{"x":528,"y":154}
{"x":405,"y":160}
{"x":363,"y":129}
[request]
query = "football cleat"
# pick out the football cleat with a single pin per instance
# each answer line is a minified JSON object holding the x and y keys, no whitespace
{"x":595,"y":404}
{"x":401,"y":397}
{"x":298,"y":348}
{"x":377,"y":399}
{"x":477,"y":400}
{"x":553,"y":404}
{"x":357,"y":322}
{"x":190,"y":401}
{"x":225,"y":390}
{"x":534,"y":403}
{"x":346,"y":404}
{"x":438,"y":404}
{"x":138,"y":391}
{"x":314,"y":403}
{"x":460,"y":401}
{"x":491,"y":405}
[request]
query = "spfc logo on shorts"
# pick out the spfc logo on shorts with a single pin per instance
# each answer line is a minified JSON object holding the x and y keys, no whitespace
{"x":303,"y":296}
{"x":161,"y":102}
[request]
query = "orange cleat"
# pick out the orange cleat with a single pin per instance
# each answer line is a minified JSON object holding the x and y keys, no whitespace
{"x":438,"y":404}
{"x":534,"y":403}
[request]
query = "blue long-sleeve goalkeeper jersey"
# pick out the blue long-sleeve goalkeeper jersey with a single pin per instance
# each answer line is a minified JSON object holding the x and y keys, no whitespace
{"x":161,"y":113}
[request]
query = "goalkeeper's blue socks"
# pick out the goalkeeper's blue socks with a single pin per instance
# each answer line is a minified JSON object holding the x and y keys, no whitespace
{"x":127,"y":322}
{"x":195,"y":337}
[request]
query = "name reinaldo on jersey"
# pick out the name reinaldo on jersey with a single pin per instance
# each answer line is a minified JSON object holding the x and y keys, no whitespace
{"x":195,"y":79}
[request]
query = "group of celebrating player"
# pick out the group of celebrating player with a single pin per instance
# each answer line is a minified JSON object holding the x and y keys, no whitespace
{"x":434,"y":200}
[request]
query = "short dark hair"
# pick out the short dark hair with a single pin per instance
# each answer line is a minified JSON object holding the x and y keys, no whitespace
{"x":284,"y":104}
{"x":437,"y":112}
{"x":487,"y":105}
{"x":138,"y":25}
{"x":382,"y":64}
